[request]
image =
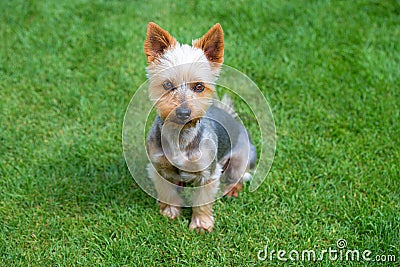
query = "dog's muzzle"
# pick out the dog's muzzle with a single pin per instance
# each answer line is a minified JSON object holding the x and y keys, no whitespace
{"x":183,"y":114}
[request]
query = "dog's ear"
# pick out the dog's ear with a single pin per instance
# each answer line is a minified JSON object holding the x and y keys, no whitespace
{"x":212,"y":43}
{"x":157,"y":41}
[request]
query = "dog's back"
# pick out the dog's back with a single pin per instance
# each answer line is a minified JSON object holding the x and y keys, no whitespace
{"x":232,"y":135}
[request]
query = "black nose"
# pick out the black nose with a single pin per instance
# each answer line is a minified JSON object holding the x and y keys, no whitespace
{"x":182,"y":113}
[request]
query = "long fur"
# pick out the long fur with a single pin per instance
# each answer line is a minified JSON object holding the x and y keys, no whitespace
{"x":194,"y":148}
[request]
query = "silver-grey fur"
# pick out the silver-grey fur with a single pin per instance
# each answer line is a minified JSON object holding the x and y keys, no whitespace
{"x":235,"y":152}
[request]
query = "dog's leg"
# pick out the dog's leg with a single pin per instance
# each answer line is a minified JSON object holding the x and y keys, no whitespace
{"x":169,"y":200}
{"x":202,"y":217}
{"x":235,"y":175}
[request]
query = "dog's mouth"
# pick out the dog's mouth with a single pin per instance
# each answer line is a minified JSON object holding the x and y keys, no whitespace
{"x":181,"y":121}
{"x":191,"y":123}
{"x":185,"y":122}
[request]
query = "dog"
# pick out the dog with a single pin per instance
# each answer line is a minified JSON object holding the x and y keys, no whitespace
{"x":195,"y":140}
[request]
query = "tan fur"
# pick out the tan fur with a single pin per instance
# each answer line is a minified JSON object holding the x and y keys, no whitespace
{"x":234,"y":190}
{"x":202,"y":217}
{"x":168,"y":101}
{"x":157,"y":41}
{"x":170,"y":211}
{"x":212,"y":43}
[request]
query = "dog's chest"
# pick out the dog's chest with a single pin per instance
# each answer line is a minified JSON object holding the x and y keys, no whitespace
{"x":189,"y":151}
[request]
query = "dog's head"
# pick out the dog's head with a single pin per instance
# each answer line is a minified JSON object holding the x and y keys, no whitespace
{"x":182,"y":77}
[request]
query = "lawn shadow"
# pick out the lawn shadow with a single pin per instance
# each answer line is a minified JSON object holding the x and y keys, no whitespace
{"x":88,"y":186}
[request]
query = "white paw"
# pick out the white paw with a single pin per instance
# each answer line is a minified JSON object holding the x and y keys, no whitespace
{"x":169,"y":211}
{"x":246,"y":177}
{"x":202,"y":223}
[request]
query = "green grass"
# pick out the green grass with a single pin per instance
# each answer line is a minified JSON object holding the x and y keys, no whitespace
{"x":330,"y":70}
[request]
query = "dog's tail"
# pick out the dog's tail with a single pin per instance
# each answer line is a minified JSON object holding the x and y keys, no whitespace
{"x":226,"y":104}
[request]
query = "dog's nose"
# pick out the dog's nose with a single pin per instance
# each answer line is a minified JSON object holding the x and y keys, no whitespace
{"x":182,"y":113}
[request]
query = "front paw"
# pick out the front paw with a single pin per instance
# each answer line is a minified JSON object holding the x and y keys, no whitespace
{"x":170,"y":211}
{"x":202,"y":222}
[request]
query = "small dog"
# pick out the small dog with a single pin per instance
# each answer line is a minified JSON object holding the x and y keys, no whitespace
{"x":195,"y":140}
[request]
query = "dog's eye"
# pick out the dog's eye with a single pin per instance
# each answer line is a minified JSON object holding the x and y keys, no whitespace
{"x":198,"y":87}
{"x":168,"y":85}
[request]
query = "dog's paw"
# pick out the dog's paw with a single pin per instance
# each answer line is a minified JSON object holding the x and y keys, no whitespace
{"x":202,"y":223}
{"x":233,"y":190}
{"x":170,"y":211}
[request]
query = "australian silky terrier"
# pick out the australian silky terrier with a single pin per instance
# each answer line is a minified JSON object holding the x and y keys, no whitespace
{"x":195,"y":140}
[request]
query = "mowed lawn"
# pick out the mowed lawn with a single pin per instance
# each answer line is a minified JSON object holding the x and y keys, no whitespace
{"x":68,"y":69}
